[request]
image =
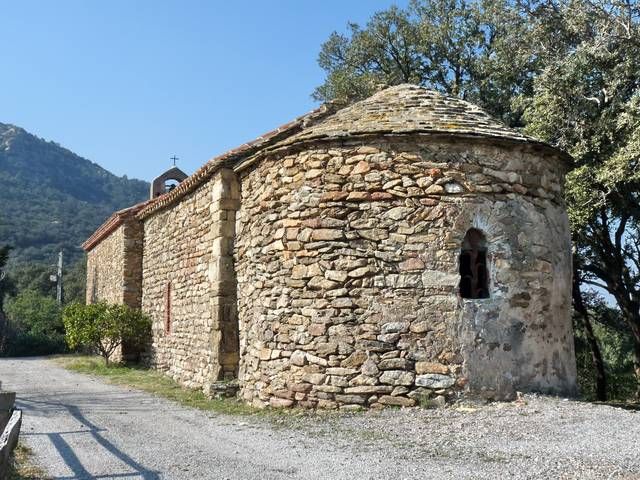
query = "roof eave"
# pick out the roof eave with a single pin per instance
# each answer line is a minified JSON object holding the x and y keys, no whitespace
{"x":111,"y":224}
{"x":299,"y":141}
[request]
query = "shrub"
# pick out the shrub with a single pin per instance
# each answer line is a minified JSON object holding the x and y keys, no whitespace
{"x":103,"y":327}
{"x":34,"y":325}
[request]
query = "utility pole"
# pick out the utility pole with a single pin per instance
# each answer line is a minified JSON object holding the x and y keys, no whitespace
{"x":59,"y":279}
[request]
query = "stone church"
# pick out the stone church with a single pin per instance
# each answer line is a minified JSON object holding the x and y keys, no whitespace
{"x":406,"y":247}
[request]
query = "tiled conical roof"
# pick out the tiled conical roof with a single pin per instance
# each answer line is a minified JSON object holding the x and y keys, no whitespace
{"x":410,"y":109}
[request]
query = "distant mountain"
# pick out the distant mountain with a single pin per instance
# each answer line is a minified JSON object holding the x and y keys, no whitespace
{"x":52,"y":199}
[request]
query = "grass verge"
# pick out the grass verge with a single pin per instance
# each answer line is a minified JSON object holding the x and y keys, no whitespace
{"x":21,"y":467}
{"x":153,"y":382}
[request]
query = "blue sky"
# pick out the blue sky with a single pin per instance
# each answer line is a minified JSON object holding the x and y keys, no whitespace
{"x":129,"y":83}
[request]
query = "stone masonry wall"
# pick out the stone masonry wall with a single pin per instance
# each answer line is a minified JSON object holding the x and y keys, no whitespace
{"x":133,"y":244}
{"x":114,"y":266}
{"x":347,"y":267}
{"x":105,"y":269}
{"x":187,"y":258}
{"x":114,"y":274}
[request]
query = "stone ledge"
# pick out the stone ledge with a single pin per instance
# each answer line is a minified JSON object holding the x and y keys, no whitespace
{"x":9,"y":440}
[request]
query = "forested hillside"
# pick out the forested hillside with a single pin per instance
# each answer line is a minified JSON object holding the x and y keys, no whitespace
{"x":52,"y":199}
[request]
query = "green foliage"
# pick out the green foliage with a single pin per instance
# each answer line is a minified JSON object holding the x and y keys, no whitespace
{"x":52,"y":199}
{"x":457,"y":47}
{"x":616,"y":347}
{"x":75,"y":279}
{"x":34,"y":325}
{"x":36,"y":277}
{"x":103,"y":327}
{"x":5,"y":286}
{"x":586,"y":101}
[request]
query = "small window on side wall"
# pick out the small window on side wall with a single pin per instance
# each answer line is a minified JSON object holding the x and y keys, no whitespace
{"x":474,"y":275}
{"x":167,"y":309}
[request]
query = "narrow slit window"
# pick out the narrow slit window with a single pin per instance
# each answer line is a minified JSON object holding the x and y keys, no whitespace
{"x":474,"y":276}
{"x":167,"y":309}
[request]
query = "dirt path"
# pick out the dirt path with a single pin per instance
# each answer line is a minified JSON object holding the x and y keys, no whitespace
{"x":82,"y":428}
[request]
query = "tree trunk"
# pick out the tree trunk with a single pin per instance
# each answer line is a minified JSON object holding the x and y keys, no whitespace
{"x":3,"y":330}
{"x":596,"y":354}
{"x":631,"y":313}
{"x":636,"y":368}
{"x":636,"y":360}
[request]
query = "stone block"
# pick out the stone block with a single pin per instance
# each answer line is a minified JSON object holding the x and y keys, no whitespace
{"x":431,"y":367}
{"x":375,"y":234}
{"x":374,"y":346}
{"x":341,"y":371}
{"x":336,"y":275}
{"x":327,"y":388}
{"x":370,"y":368}
{"x":321,"y":283}
{"x":420,"y":327}
{"x":355,"y":359}
{"x":280,"y":402}
{"x":301,"y":387}
{"x":434,"y":381}
{"x":395,"y":364}
{"x":395,"y":327}
{"x":359,"y":272}
{"x":369,"y":389}
{"x":381,"y":196}
{"x":342,"y":302}
{"x":316,"y":360}
{"x":360,"y":168}
{"x":396,"y":401}
{"x":397,"y":377}
{"x":359,"y":196}
{"x":328,"y":348}
{"x":314,"y":378}
{"x":357,"y":399}
{"x":317,"y":329}
{"x":411,"y":264}
{"x":326,"y":234}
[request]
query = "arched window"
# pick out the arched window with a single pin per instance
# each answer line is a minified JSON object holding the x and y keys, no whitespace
{"x":474,"y":276}
{"x":170,"y":185}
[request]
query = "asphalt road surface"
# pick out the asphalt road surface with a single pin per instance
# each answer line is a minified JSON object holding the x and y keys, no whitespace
{"x":82,"y":428}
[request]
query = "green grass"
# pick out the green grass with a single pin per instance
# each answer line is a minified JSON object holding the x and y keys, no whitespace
{"x":21,"y":467}
{"x":153,"y":382}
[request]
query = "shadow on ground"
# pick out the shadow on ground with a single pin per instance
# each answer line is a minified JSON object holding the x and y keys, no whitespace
{"x":67,"y":453}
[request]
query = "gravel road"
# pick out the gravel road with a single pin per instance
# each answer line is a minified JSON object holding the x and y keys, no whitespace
{"x":81,"y":428}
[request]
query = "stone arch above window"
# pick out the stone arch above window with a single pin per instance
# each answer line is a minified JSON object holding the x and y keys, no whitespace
{"x":474,"y":274}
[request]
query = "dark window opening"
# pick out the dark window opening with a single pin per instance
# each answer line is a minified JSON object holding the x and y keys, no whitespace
{"x":474,"y":276}
{"x":170,"y":185}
